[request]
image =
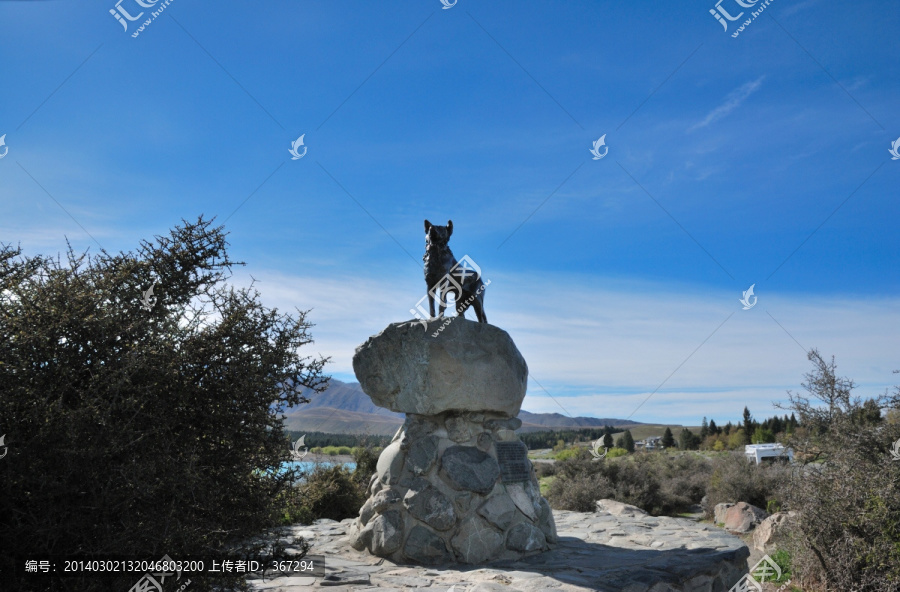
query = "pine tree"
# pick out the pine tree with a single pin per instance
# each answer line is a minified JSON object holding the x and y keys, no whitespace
{"x":704,"y":429}
{"x":686,"y":439}
{"x":776,"y":426}
{"x":607,"y":440}
{"x":668,"y":440}
{"x":713,"y":428}
{"x":629,"y":441}
{"x":748,"y":422}
{"x":620,"y":442}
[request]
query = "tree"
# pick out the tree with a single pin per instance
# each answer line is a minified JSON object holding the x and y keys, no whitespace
{"x":142,"y":423}
{"x":775,"y":425}
{"x":868,"y":414}
{"x":687,"y":440}
{"x":704,"y":429}
{"x":629,"y":441}
{"x":620,"y":442}
{"x":737,"y":439}
{"x":713,"y":428}
{"x":607,"y":440}
{"x":748,"y":421}
{"x":762,"y":436}
{"x":668,"y":440}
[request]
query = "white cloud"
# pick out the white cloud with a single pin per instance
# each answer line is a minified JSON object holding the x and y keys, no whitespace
{"x":600,"y":347}
{"x":732,"y":102}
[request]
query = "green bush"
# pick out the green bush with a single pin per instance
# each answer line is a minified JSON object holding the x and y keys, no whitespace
{"x":328,"y":492}
{"x":657,"y":483}
{"x":366,"y":459}
{"x":616,"y":452}
{"x":569,"y":453}
{"x":579,"y":492}
{"x":783,"y":559}
{"x":544,"y":469}
{"x":334,"y":450}
{"x":736,"y":479}
{"x":141,"y":427}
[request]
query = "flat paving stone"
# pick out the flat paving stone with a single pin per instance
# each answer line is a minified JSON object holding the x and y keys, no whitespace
{"x":596,"y":551}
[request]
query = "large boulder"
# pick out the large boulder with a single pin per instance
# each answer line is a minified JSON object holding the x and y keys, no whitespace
{"x":772,"y":529}
{"x":742,"y":517}
{"x":719,"y":512}
{"x":468,"y":366}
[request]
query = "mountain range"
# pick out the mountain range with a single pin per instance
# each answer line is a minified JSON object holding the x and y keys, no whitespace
{"x":344,"y":408}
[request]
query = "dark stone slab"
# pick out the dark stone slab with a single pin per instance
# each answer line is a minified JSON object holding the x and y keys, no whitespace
{"x":426,"y":547}
{"x":469,"y":469}
{"x":430,"y":506}
{"x":525,"y":537}
{"x":422,"y":455}
{"x":386,"y":532}
{"x":499,"y":511}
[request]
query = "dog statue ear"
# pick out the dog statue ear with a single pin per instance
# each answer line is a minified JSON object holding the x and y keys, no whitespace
{"x":427,"y":225}
{"x":449,"y":228}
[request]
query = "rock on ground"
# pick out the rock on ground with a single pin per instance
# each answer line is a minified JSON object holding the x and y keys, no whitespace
{"x":771,"y":529}
{"x":719,"y":512}
{"x":742,"y":517}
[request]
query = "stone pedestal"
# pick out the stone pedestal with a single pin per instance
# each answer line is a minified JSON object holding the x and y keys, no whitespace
{"x":455,"y":484}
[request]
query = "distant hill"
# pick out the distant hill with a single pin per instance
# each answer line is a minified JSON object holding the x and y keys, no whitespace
{"x":556,"y":420}
{"x":347,"y":396}
{"x":345,"y":409}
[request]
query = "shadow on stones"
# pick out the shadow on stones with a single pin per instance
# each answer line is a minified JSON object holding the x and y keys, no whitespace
{"x":607,"y":568}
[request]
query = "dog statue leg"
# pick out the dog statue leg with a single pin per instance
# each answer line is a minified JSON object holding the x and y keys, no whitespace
{"x":479,"y":308}
{"x":461,"y":307}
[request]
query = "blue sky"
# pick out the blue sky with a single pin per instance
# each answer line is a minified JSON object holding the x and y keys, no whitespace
{"x":758,"y":159}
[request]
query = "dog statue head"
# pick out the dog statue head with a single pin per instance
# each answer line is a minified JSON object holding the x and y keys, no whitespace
{"x":438,"y":235}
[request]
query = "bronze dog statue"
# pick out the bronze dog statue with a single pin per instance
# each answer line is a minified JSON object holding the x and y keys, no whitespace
{"x":445,"y":275}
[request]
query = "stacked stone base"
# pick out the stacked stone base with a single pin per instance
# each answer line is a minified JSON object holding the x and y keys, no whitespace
{"x":438,"y":496}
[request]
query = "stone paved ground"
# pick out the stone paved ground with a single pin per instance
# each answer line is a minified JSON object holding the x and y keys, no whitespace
{"x":622,"y":551}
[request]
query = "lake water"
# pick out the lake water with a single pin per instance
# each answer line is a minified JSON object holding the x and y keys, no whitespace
{"x":306,"y":466}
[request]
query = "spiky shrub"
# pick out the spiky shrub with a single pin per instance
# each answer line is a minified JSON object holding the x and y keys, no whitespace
{"x":846,"y":487}
{"x":142,"y":432}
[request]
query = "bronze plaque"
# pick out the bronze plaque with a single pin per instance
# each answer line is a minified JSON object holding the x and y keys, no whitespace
{"x":513,"y":460}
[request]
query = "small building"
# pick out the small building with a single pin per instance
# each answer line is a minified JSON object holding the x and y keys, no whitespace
{"x":651,"y":443}
{"x":769,"y":452}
